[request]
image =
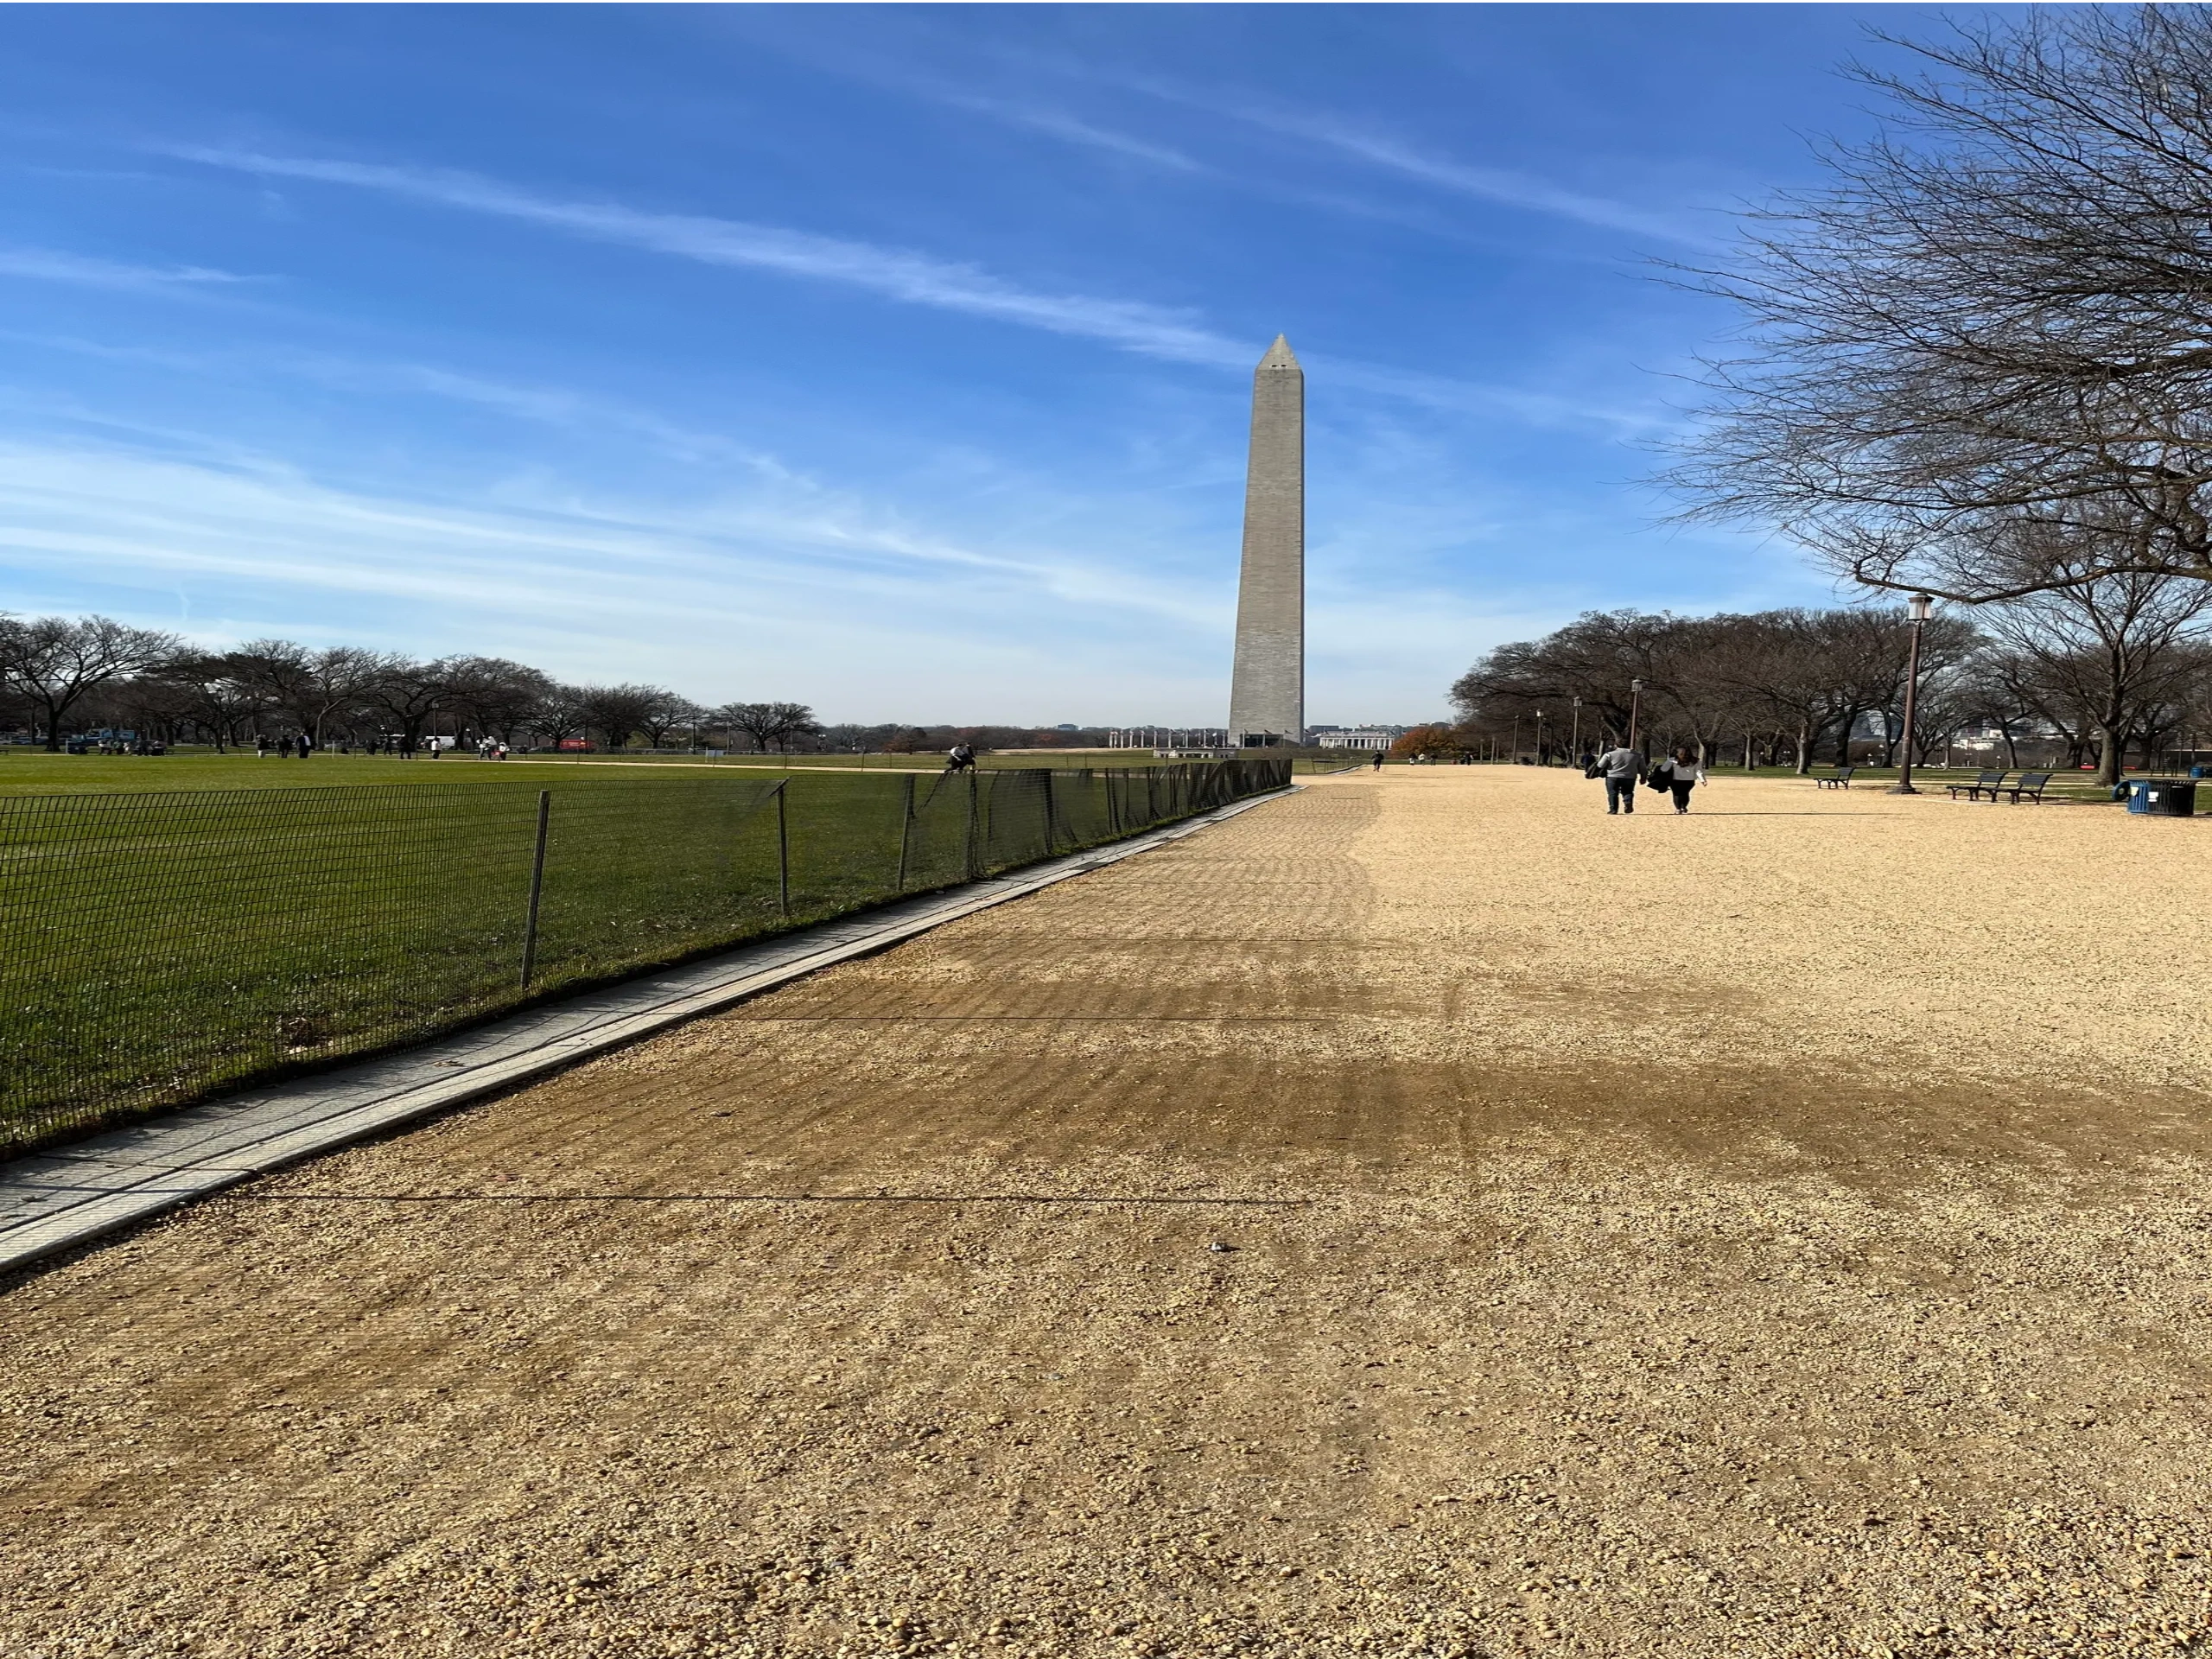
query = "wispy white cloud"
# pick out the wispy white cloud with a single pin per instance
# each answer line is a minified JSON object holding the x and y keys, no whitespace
{"x":50,"y":266}
{"x":1505,"y":185}
{"x":1060,"y":124}
{"x":1619,"y":419}
{"x":896,"y":273}
{"x":247,"y":515}
{"x":852,"y":604}
{"x":916,"y":278}
{"x":1502,"y":185}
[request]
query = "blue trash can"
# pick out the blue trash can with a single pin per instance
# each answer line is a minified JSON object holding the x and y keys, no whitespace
{"x":2199,"y":772}
{"x":2162,"y":798}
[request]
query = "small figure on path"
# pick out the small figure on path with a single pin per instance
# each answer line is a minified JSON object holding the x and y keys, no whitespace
{"x":961,"y":759}
{"x":307,"y":746}
{"x":1620,"y":766}
{"x":1683,"y":772}
{"x":1378,"y":759}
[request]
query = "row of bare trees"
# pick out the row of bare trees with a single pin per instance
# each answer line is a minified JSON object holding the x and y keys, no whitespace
{"x":1976,"y":357}
{"x":59,"y":675}
{"x":2086,"y":675}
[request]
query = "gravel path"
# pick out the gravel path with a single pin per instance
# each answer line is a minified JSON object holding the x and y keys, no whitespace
{"x":1422,"y":1216}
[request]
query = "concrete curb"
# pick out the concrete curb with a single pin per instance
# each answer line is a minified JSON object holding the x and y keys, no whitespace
{"x":52,"y":1202}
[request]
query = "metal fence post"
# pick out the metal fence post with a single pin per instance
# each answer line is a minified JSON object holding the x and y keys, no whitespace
{"x":1048,"y":812}
{"x":972,"y":871}
{"x":783,"y":849}
{"x":537,"y":888}
{"x":905,"y":832}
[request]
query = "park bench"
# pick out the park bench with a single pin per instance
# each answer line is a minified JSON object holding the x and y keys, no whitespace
{"x":2032,"y":784}
{"x":1841,"y":780}
{"x":1992,"y":781}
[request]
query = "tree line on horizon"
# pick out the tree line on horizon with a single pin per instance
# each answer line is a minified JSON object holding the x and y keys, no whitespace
{"x":63,"y":675}
{"x":2076,"y":675}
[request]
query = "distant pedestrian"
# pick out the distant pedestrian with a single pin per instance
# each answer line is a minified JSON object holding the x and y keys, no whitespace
{"x":1620,"y":766}
{"x":307,"y":746}
{"x":960,"y":759}
{"x":260,"y":747}
{"x":1378,"y":759}
{"x":1683,"y":772}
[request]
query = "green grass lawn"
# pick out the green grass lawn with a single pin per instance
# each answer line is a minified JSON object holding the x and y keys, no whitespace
{"x":32,"y":771}
{"x":172,"y":927}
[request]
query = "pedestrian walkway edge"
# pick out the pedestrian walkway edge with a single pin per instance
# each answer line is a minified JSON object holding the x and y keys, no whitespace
{"x":55,"y":1201}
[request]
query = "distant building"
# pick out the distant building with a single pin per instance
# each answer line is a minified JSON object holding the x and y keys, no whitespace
{"x":1356,"y":737}
{"x":1167,"y":738}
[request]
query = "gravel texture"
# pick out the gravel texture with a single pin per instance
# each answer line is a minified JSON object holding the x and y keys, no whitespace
{"x":1421,"y":1217}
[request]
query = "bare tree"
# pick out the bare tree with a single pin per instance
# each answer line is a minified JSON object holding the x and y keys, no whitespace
{"x":560,"y":714}
{"x":498,"y":698}
{"x":1999,"y":310}
{"x":777,"y":725}
{"x":51,"y":662}
{"x":218,"y":699}
{"x":665,"y":714}
{"x":2098,"y":658}
{"x":618,"y":712}
{"x":309,"y":685}
{"x":410,"y":694}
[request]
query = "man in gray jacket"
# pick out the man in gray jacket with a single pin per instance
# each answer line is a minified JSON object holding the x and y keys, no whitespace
{"x":1622,"y":767}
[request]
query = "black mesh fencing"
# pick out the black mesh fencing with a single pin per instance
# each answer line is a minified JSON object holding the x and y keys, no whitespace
{"x":158,"y":948}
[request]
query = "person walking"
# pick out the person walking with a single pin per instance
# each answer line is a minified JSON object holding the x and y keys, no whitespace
{"x":960,"y":759}
{"x":1378,"y":759}
{"x":1621,"y":766}
{"x":1683,"y":771}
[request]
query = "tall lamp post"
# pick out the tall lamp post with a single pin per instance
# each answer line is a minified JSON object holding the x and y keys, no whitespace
{"x":1574,"y":742}
{"x":1540,"y":737}
{"x":1916,"y":610}
{"x":1515,"y":758}
{"x":1634,"y":710}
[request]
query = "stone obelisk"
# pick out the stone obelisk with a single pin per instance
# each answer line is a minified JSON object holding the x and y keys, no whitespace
{"x":1266,"y":687}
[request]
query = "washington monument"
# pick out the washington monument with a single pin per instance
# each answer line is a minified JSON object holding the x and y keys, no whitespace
{"x":1266,"y":687}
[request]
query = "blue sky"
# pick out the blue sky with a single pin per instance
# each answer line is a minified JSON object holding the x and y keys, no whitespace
{"x":895,"y":361}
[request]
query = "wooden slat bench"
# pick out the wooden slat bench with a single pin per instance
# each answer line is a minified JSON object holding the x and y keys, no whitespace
{"x":1840,"y":779}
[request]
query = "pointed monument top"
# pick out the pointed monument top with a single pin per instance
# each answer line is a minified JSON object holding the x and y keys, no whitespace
{"x":1280,"y":355}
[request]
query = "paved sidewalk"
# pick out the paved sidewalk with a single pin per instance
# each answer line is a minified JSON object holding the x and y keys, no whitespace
{"x":54,"y":1201}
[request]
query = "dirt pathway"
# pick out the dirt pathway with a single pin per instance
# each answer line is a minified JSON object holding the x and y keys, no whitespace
{"x":1419,"y":1216}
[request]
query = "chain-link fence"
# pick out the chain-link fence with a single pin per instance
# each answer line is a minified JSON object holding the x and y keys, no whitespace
{"x":156,"y":948}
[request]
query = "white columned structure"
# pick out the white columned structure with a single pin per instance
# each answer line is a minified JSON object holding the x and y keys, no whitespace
{"x":1267,"y":685}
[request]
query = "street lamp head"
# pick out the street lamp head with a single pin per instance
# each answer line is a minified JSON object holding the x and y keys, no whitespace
{"x":1636,"y":685}
{"x":1919,"y":605}
{"x":1578,"y":703}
